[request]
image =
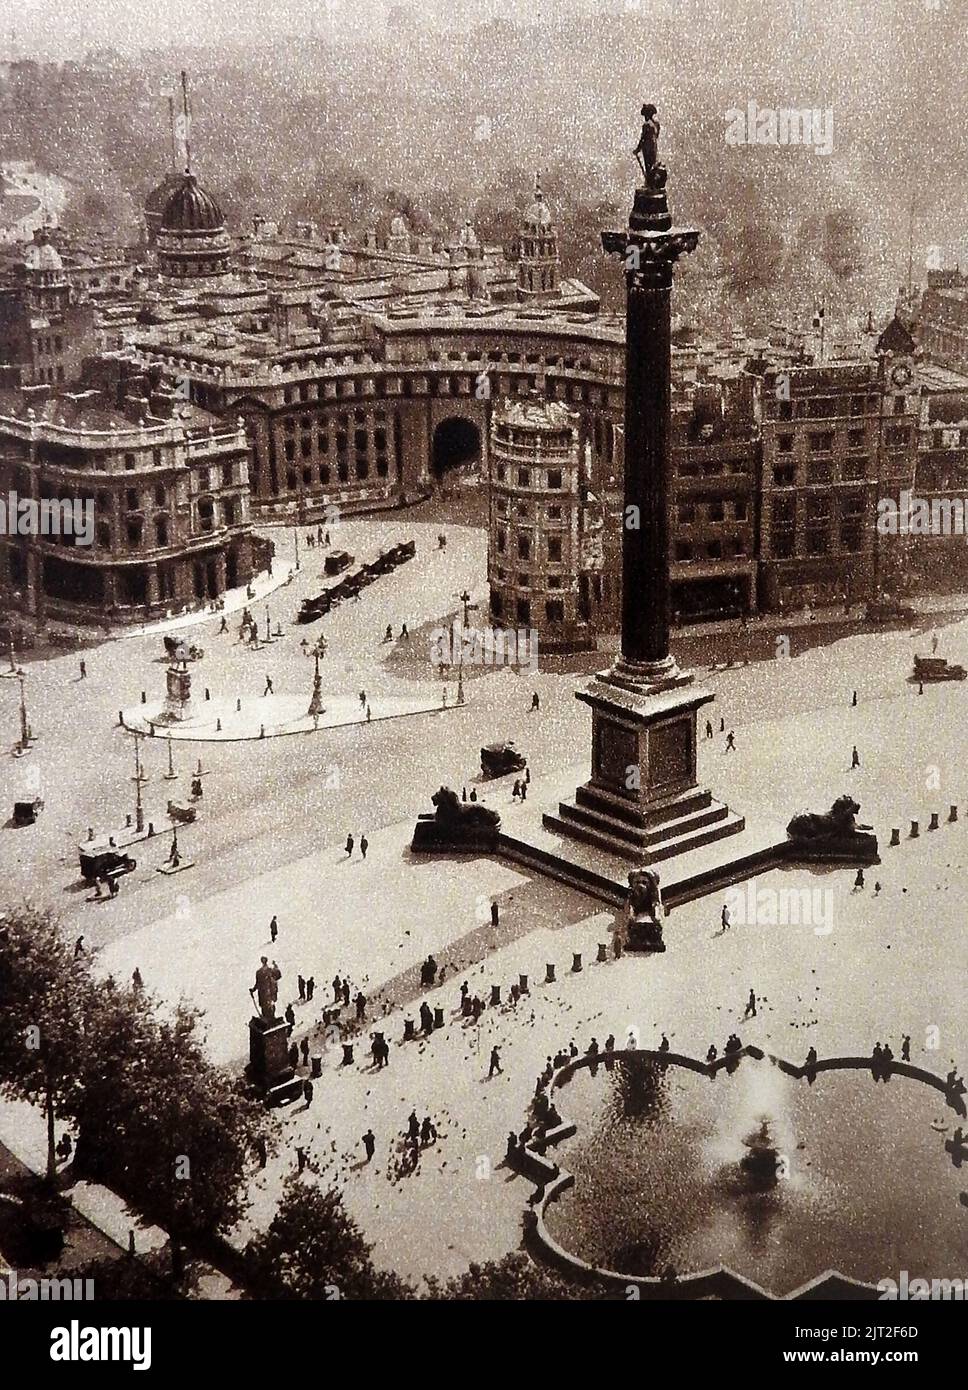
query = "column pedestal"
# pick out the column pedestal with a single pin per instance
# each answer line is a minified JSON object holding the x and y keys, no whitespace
{"x":643,"y":801}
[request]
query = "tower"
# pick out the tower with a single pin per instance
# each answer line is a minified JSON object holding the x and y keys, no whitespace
{"x":642,"y":800}
{"x":538,"y":261}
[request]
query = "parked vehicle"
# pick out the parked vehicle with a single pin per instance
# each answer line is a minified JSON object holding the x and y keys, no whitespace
{"x":100,"y":859}
{"x":936,"y":668}
{"x":337,"y":562}
{"x":26,"y":812}
{"x":497,"y":759}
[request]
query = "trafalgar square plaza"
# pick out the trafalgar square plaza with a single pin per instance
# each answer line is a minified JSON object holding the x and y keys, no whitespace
{"x":640,"y":964}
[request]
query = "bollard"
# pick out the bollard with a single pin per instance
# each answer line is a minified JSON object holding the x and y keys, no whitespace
{"x":576,"y":962}
{"x":915,"y":830}
{"x":438,"y":1017}
{"x":408,"y":1030}
{"x":549,"y":974}
{"x":495,"y":995}
{"x":316,"y":1066}
{"x":151,"y":827}
{"x":952,"y":813}
{"x":144,"y":698}
{"x":238,"y":706}
{"x":523,"y":983}
{"x":127,"y":821}
{"x":121,"y":718}
{"x":602,"y":951}
{"x":207,"y":693}
{"x":895,"y":837}
{"x":218,"y":726}
{"x":347,"y":1055}
{"x":933,"y":823}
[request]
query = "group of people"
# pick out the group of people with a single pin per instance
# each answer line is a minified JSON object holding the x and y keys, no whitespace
{"x":320,"y":538}
{"x":520,"y":788}
{"x":404,"y":633}
{"x":350,"y":842}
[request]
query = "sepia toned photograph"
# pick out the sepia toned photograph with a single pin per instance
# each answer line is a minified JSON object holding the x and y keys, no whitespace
{"x":483,"y":606}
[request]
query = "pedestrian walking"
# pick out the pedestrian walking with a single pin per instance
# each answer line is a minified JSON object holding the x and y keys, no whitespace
{"x":730,"y":742}
{"x":300,"y":1159}
{"x":136,"y":980}
{"x":724,"y":917}
{"x":304,"y":1051}
{"x":360,"y":1002}
{"x":302,"y":988}
{"x":906,"y":1048}
{"x":349,"y":846}
{"x":854,"y":699}
{"x":535,"y":702}
{"x":261,"y":1150}
{"x":294,"y":1056}
{"x":413,"y":1126}
{"x":337,"y":989}
{"x":751,"y":1005}
{"x":273,"y":929}
{"x":83,"y":665}
{"x":428,"y":1131}
{"x":524,"y":792}
{"x":364,"y":845}
{"x":404,"y":633}
{"x":268,"y":690}
{"x":495,"y":1063}
{"x":346,"y":992}
{"x":515,"y":790}
{"x":854,"y":757}
{"x":722,"y":725}
{"x":308,"y":1091}
{"x":709,"y":729}
{"x":224,"y":625}
{"x":859,"y":880}
{"x":369,"y":714}
{"x":310,"y":987}
{"x":494,"y":914}
{"x":78,"y":947}
{"x":527,"y":776}
{"x":388,"y":635}
{"x":290,"y":1016}
{"x":369,"y":1144}
{"x":363,"y":698}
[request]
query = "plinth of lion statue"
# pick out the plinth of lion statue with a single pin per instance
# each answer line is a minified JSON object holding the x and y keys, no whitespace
{"x":456,"y":824}
{"x":832,"y":834}
{"x":645,"y":911}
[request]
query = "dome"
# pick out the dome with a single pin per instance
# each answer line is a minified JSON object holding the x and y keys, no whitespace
{"x":41,"y":255}
{"x":191,"y":209}
{"x":157,"y":199}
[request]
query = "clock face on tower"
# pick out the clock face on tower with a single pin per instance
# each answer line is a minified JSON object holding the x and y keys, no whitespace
{"x":901,"y":375}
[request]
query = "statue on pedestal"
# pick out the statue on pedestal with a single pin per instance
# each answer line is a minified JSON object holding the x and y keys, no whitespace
{"x":266,"y":988}
{"x":647,"y":150}
{"x":645,"y":911}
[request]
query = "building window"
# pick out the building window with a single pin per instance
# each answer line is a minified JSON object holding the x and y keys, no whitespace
{"x":683,"y":550}
{"x":783,"y":476}
{"x":717,"y":511}
{"x":131,"y":497}
{"x":784,"y":443}
{"x":555,"y":610}
{"x":523,"y":607}
{"x":524,"y":547}
{"x":502,"y":541}
{"x":129,"y":460}
{"x":554,"y":513}
{"x":821,"y":443}
{"x":134,"y":531}
{"x":554,"y":477}
{"x":524,"y":477}
{"x":161,"y":530}
{"x":687,"y":514}
{"x":856,"y":439}
{"x":740,"y":509}
{"x":554,"y":549}
{"x":899,"y":402}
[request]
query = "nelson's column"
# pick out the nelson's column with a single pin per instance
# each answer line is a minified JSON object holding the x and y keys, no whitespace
{"x":643,"y":801}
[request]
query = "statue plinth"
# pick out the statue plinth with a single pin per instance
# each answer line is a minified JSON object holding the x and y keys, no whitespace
{"x":269,"y":1068}
{"x":178,"y":695}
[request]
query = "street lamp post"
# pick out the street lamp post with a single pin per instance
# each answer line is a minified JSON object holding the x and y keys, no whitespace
{"x":465,"y":599}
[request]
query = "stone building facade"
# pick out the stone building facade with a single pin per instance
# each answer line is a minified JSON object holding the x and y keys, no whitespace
{"x":169,"y":489}
{"x":545,"y":556}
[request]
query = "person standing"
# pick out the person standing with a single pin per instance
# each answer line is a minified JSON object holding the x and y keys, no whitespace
{"x":730,"y":742}
{"x":308,"y":1091}
{"x":751,"y":1005}
{"x":268,"y":690}
{"x":301,"y":983}
{"x":854,"y":758}
{"x":495,"y":1063}
{"x":83,"y":669}
{"x":310,"y":988}
{"x":709,"y":729}
{"x":364,"y":845}
{"x":369,"y":1144}
{"x":360,"y":1002}
{"x":337,"y":989}
{"x":725,"y":918}
{"x":535,"y":701}
{"x":494,"y":914}
{"x":273,"y":929}
{"x":349,"y":846}
{"x":906,"y":1048}
{"x":346,"y":992}
{"x":413,"y":1126}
